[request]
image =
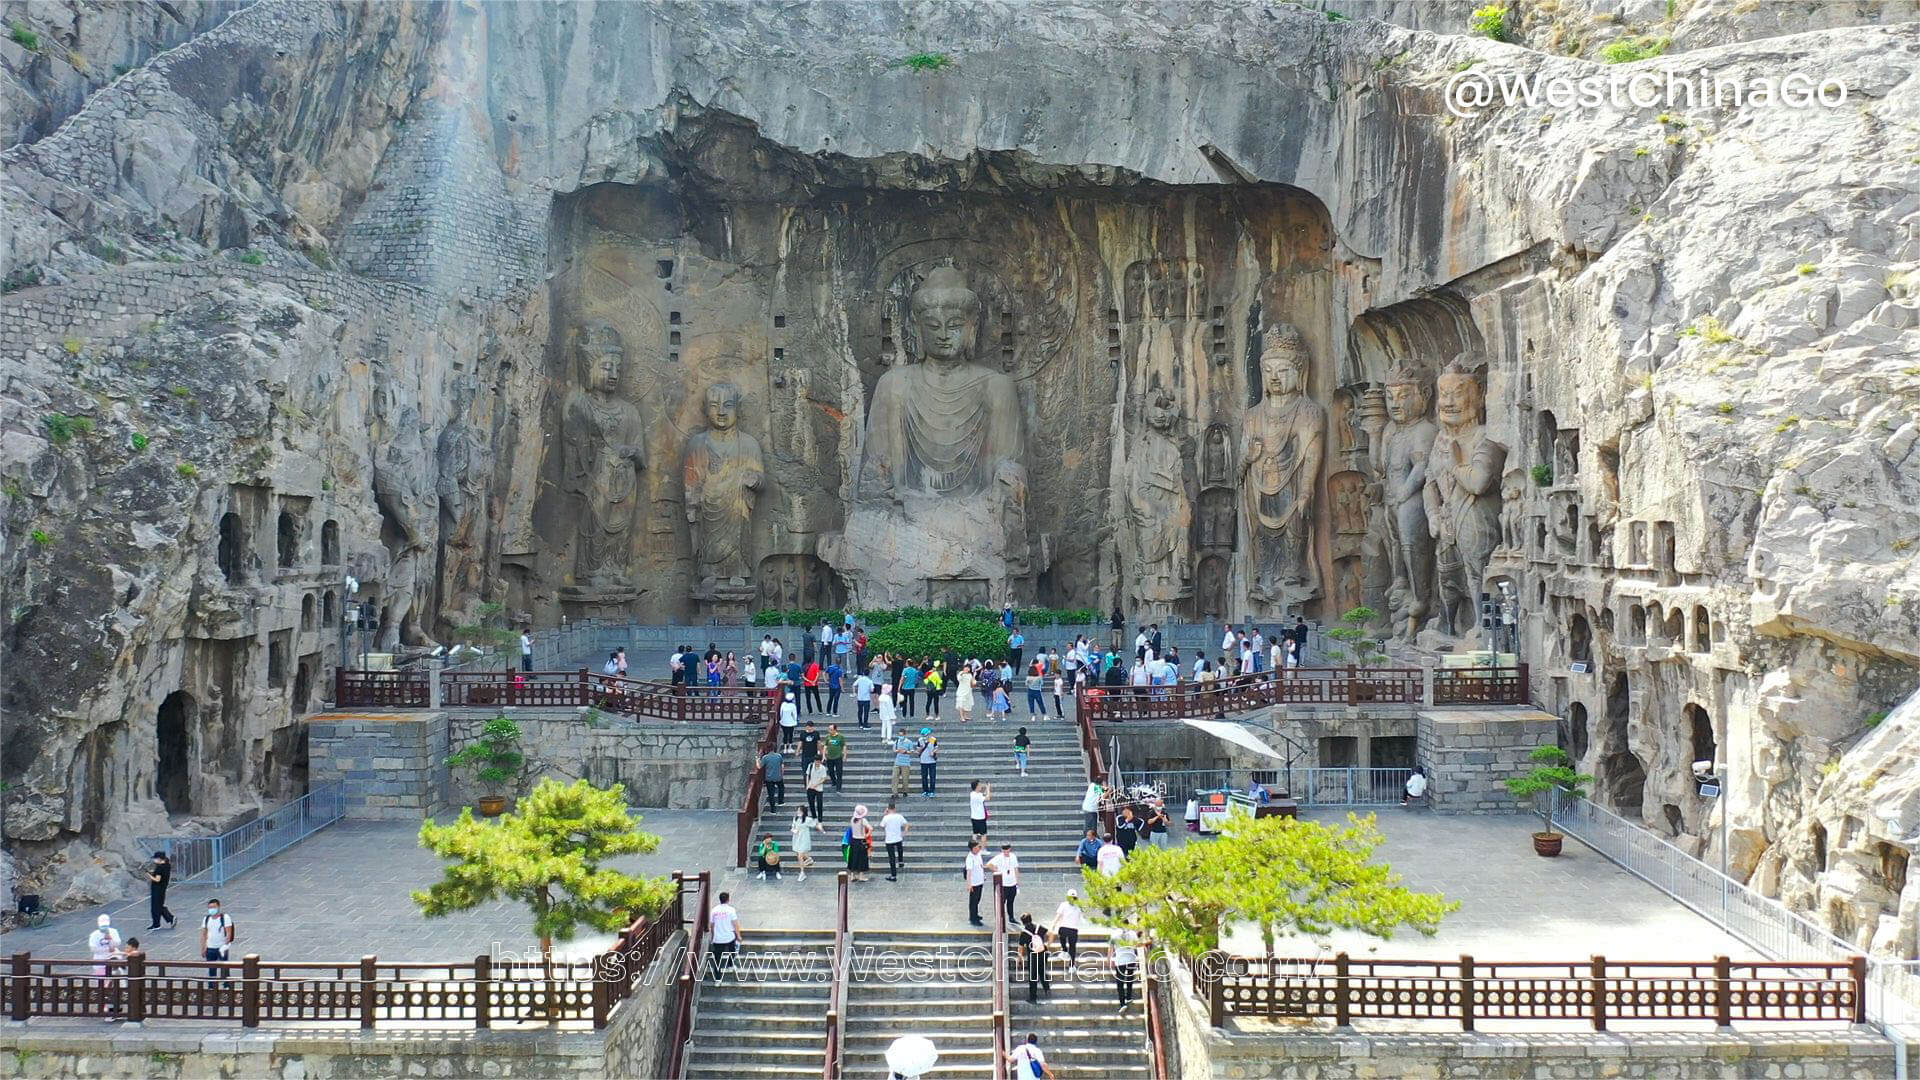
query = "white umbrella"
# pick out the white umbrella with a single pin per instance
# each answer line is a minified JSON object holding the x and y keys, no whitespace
{"x":911,"y":1055}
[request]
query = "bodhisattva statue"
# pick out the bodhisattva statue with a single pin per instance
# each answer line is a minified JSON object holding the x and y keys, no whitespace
{"x":1462,"y":494}
{"x":604,"y":440}
{"x":1399,"y":452}
{"x":941,"y":494}
{"x":1280,"y":450}
{"x":1160,"y":511}
{"x":722,"y":470}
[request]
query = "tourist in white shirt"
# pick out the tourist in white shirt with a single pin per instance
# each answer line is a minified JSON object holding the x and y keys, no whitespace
{"x":1276,"y":655}
{"x":104,"y":943}
{"x":1090,"y":803}
{"x":976,"y":882}
{"x":1228,"y":640}
{"x":1026,"y":1058}
{"x":893,"y":830}
{"x":977,"y":796}
{"x":1110,"y":857}
{"x":1066,"y":923}
{"x":723,"y":938}
{"x":1007,"y":866}
{"x":1126,"y":966}
{"x":771,"y":677}
{"x":888,"y":712}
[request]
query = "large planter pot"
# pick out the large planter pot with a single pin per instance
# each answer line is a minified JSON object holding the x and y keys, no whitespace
{"x":495,"y":805}
{"x":1547,"y":844}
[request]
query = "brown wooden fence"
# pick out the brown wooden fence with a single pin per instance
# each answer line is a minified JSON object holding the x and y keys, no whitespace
{"x":1591,"y":992}
{"x":1305,"y":686}
{"x":411,"y":688}
{"x":370,"y":992}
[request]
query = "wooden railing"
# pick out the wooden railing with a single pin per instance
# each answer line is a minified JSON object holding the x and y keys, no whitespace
{"x":1304,"y":686}
{"x":412,"y":688}
{"x":692,"y":968}
{"x":404,"y":689}
{"x":1001,"y":1043}
{"x":836,"y":1064}
{"x":749,"y":813}
{"x":1156,"y":1023}
{"x":1467,"y":991}
{"x":622,"y":966}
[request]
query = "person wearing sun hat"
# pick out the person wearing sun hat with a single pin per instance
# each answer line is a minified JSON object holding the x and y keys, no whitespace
{"x":859,"y":843}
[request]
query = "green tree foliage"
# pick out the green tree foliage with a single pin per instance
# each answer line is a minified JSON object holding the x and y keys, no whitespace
{"x":1355,"y":636}
{"x":1552,"y":769}
{"x":1491,"y":21}
{"x":547,"y":854}
{"x":1282,"y":875}
{"x":495,"y":757}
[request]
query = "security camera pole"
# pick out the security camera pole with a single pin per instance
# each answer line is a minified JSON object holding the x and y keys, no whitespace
{"x":1711,"y":783}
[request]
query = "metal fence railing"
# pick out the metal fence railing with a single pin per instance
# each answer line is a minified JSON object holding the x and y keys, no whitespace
{"x":1893,"y":987}
{"x":216,"y":860}
{"x":1310,"y":786}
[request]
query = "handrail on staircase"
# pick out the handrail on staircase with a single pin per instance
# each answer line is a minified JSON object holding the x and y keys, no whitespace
{"x":690,"y":973}
{"x":1000,"y":1043}
{"x":1156,"y":1034}
{"x":837,"y":997}
{"x":749,"y":813}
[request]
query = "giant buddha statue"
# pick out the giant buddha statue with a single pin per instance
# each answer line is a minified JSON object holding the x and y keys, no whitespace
{"x":940,"y":496}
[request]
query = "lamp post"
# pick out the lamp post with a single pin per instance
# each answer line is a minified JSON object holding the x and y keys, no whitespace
{"x":1710,"y":783}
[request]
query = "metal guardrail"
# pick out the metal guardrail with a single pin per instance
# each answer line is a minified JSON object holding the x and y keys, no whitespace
{"x":1893,"y":987}
{"x":218,"y":859}
{"x":1311,"y":786}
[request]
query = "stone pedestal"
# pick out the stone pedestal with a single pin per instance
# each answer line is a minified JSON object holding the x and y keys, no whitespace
{"x":726,"y":602}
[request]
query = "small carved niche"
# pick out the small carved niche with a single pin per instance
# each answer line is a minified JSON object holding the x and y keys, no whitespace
{"x":1163,"y":289}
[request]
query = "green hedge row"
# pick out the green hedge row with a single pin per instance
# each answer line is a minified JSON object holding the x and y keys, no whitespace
{"x":874,"y":619}
{"x":931,"y":635}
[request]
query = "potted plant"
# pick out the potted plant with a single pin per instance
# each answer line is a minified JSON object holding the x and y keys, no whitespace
{"x":496,"y":760}
{"x":1552,"y":770}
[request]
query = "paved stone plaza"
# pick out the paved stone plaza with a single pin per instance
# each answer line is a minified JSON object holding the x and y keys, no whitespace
{"x":344,"y":893}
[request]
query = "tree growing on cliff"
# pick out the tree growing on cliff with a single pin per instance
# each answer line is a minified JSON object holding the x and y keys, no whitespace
{"x":547,"y":854}
{"x":1282,"y":875}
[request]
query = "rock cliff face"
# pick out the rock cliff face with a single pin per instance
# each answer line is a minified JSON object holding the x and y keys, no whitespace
{"x":557,"y":309}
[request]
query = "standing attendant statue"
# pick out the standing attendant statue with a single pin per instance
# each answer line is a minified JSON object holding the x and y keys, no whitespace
{"x":605,"y":453}
{"x":1462,"y":494}
{"x":1280,"y":451}
{"x":722,"y":470}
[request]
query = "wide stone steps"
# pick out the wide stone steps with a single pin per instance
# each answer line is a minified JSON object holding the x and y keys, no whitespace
{"x":754,"y":1021}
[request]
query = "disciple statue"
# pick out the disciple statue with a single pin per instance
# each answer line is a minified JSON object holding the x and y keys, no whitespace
{"x":723,"y":470}
{"x":1399,"y":451}
{"x":604,"y":438}
{"x":1280,"y":451}
{"x":1159,"y":510}
{"x":942,"y":487}
{"x":1462,"y":494}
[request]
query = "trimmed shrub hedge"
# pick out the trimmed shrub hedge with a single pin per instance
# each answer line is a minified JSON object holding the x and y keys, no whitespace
{"x":874,"y":619}
{"x":931,"y":635}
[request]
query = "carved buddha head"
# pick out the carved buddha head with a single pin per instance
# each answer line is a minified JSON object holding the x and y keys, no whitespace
{"x":1406,"y":396}
{"x":723,"y":406}
{"x":1283,"y":360}
{"x":946,"y":313}
{"x":1457,"y":394}
{"x":600,"y":355}
{"x":1161,"y":410}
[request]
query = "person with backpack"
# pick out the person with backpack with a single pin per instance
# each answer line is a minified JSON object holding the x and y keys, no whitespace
{"x":216,"y":937}
{"x":858,"y":840}
{"x":1022,"y":743}
{"x":1033,"y":946}
{"x":933,"y":682}
{"x":1026,"y":1060}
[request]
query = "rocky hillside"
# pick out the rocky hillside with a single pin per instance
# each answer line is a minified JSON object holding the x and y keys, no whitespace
{"x":278,"y":308}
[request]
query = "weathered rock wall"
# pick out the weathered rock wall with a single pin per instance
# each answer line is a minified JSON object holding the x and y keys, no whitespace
{"x":1694,"y":332}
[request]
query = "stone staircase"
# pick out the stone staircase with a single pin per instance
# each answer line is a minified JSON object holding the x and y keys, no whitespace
{"x":1039,"y":813}
{"x":1082,"y":1029}
{"x":935,"y":985}
{"x":769,"y":1019}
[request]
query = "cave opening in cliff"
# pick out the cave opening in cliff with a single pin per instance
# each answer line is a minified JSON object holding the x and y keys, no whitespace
{"x":172,"y":777}
{"x":1577,"y":729}
{"x":1622,"y":775}
{"x":1700,"y":729}
{"x":288,"y":533}
{"x":233,"y":546}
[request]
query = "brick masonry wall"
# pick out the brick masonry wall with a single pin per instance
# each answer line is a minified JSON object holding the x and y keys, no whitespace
{"x":689,"y":766}
{"x":1232,"y":1053}
{"x":1469,"y":753}
{"x":636,"y":1035}
{"x":160,"y":1051}
{"x":393,"y":764}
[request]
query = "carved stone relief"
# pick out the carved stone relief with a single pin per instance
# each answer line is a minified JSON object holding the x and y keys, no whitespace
{"x":1281,"y":447}
{"x":605,"y":453}
{"x":1159,"y":511}
{"x":1462,"y":495}
{"x":722,"y":471}
{"x":1400,"y":445}
{"x":404,"y":479}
